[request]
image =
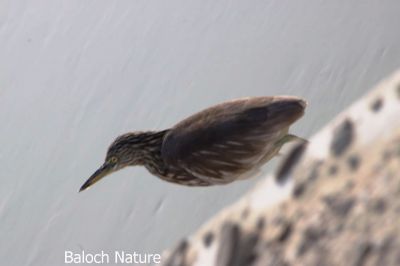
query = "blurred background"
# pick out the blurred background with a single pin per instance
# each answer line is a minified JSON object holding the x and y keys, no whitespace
{"x":76,"y":74}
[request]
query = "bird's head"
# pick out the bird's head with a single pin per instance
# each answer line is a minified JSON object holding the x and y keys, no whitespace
{"x":126,"y":150}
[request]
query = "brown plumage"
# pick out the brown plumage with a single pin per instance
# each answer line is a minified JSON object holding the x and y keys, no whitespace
{"x":218,"y":145}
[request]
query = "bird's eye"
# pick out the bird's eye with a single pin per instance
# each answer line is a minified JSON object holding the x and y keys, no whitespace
{"x":113,"y":159}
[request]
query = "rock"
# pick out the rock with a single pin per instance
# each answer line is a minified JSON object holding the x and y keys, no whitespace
{"x":333,"y":202}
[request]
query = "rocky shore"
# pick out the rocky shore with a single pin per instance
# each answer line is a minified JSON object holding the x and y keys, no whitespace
{"x":334,"y":201}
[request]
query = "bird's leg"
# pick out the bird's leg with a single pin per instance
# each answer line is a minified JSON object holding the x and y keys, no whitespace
{"x":289,"y":138}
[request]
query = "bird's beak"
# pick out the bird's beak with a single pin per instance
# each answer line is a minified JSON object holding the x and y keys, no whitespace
{"x":104,"y":170}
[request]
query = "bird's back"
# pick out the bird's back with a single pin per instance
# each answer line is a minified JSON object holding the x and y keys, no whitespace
{"x":229,"y":138}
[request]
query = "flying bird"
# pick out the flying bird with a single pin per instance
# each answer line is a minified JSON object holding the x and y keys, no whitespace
{"x":221,"y":144}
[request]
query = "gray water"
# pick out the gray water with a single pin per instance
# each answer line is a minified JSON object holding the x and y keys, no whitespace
{"x":76,"y":74}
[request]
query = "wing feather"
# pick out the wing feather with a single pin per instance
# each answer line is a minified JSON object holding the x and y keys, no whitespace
{"x":231,"y":138}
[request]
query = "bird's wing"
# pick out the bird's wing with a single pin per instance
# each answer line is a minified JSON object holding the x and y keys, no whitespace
{"x":230,"y":138}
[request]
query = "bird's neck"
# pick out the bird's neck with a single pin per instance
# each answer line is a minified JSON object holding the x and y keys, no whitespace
{"x":150,"y":146}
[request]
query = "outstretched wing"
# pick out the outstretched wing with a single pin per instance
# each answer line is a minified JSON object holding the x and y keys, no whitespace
{"x":229,"y":139}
